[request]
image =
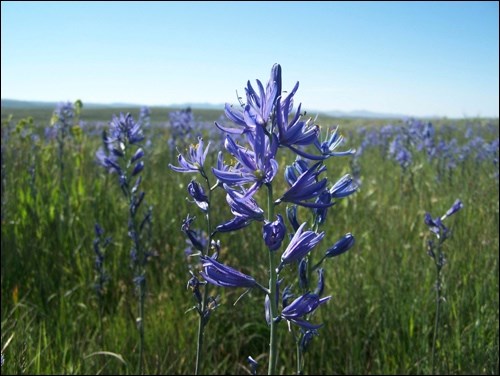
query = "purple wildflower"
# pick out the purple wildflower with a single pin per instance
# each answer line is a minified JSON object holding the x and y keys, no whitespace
{"x":195,"y":239}
{"x":256,"y":166}
{"x":341,"y":246}
{"x":332,"y":142}
{"x":245,"y":209}
{"x":291,"y":213}
{"x":300,"y":245}
{"x":302,"y":306}
{"x":306,"y":187}
{"x":197,"y":192}
{"x":303,"y":281}
{"x":437,"y":226}
{"x":296,"y":132}
{"x":123,"y":129}
{"x":224,"y":276}
{"x":259,"y":108}
{"x":274,"y":233}
{"x":306,"y":339}
{"x":320,"y":287}
{"x":343,"y":187}
{"x":195,"y":160}
{"x":253,"y":365}
{"x":457,"y":205}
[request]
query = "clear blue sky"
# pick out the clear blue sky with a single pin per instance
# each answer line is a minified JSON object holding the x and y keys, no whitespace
{"x":408,"y":58}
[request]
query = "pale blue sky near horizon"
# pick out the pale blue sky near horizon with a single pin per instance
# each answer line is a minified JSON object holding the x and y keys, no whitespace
{"x":416,"y":59}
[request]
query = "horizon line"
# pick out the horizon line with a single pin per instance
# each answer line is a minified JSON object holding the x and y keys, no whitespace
{"x":212,"y":106}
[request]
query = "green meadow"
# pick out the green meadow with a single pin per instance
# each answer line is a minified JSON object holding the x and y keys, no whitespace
{"x":380,"y":319}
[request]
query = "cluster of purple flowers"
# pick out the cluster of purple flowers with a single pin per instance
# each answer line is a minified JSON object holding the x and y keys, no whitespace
{"x":123,"y":155}
{"x":64,"y":114}
{"x":403,"y":143}
{"x":263,"y":126}
{"x":181,"y":125}
{"x":145,"y":117}
{"x":123,"y":133}
{"x":63,"y":120}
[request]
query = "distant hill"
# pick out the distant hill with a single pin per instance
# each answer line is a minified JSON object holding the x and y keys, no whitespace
{"x":364,"y":114}
{"x":16,"y":104}
{"x":12,"y":103}
{"x":337,"y":114}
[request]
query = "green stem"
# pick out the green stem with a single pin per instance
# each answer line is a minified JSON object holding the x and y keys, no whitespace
{"x":298,"y":352}
{"x":138,"y":272}
{"x":142,"y":294}
{"x":101,"y":326}
{"x":438,"y":306}
{"x":201,"y":329}
{"x":318,"y":264}
{"x":273,"y":277}
{"x":202,"y":321}
{"x":141,"y":323}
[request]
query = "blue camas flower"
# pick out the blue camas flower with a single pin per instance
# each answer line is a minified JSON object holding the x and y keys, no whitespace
{"x":245,"y":210}
{"x":341,"y":246}
{"x":320,"y":287}
{"x":327,"y":148}
{"x":437,"y":226}
{"x":343,"y":187}
{"x":325,"y":199}
{"x":138,"y":168}
{"x":302,"y":306}
{"x":307,"y":338}
{"x":303,"y":280}
{"x":195,"y":160}
{"x":256,"y":166}
{"x":259,"y":106}
{"x":297,"y":168}
{"x":197,"y":241}
{"x":123,"y":128}
{"x":197,"y":192}
{"x":64,"y":113}
{"x":224,"y":276}
{"x":457,"y":205}
{"x":139,"y":153}
{"x":296,"y":132}
{"x":274,"y":233}
{"x":291,"y":213}
{"x":253,"y":365}
{"x":123,"y":133}
{"x":300,"y":245}
{"x":307,"y":187}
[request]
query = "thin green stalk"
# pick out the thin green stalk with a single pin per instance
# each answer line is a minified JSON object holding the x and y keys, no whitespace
{"x":273,"y":291}
{"x":299,"y":360}
{"x":141,"y":323}
{"x":139,"y":271}
{"x":201,"y":330}
{"x":438,"y":307}
{"x":202,"y":321}
{"x":200,"y":340}
{"x":101,"y":326}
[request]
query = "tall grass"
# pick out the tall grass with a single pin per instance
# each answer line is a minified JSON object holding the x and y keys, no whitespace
{"x":379,"y":321}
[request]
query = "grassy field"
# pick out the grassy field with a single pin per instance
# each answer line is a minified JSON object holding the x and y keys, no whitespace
{"x":380,"y":318}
